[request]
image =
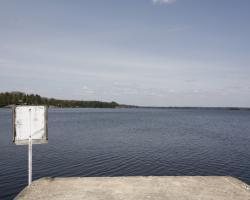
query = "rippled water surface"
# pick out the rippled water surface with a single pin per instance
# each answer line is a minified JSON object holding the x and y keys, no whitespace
{"x":129,"y":142}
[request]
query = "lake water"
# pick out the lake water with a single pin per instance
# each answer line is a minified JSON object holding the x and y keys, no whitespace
{"x":129,"y":142}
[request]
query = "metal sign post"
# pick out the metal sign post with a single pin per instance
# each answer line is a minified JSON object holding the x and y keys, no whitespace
{"x":30,"y":160}
{"x":30,"y":151}
{"x":30,"y":127}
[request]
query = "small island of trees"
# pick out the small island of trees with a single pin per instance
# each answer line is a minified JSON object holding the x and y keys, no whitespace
{"x":20,"y":98}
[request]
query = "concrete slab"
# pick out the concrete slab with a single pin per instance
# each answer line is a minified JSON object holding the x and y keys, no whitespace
{"x":137,"y":188}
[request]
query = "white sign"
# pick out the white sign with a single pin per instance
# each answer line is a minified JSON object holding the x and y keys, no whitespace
{"x":30,"y":122}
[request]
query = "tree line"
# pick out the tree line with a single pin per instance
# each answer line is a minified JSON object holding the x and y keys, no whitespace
{"x":20,"y":98}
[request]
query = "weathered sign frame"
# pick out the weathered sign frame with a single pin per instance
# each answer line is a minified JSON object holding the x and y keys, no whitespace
{"x":34,"y":141}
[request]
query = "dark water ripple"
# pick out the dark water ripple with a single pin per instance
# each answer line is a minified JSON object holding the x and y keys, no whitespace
{"x":127,"y":142}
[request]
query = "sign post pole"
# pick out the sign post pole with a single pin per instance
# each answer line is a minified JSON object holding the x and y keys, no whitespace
{"x":30,"y":160}
{"x":30,"y":151}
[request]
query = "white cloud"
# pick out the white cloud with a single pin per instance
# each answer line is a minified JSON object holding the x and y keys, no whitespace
{"x":163,"y":1}
{"x":87,"y":90}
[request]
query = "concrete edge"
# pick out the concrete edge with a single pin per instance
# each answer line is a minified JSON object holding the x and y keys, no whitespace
{"x":231,"y":180}
{"x":25,"y":190}
{"x":237,"y":183}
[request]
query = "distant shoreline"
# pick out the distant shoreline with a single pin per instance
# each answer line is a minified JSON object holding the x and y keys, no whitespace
{"x":20,"y":98}
{"x":8,"y":99}
{"x":149,"y":107}
{"x":197,"y":108}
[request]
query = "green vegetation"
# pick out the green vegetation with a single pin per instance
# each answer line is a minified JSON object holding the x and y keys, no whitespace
{"x":20,"y":98}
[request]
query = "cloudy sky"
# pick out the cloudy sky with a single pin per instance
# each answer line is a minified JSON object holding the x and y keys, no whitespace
{"x":143,"y":52}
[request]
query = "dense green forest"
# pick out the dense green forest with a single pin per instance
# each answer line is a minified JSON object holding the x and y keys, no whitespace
{"x":20,"y":98}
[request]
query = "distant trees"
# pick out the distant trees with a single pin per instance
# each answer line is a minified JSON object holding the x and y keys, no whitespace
{"x":20,"y":98}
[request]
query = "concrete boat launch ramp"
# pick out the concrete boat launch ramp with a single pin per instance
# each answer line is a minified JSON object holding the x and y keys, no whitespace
{"x":137,"y":188}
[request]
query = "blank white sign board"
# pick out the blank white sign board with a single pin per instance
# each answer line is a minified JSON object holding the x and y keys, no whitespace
{"x":30,"y":121}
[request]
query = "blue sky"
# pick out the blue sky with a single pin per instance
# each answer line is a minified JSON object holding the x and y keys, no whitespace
{"x":143,"y":52}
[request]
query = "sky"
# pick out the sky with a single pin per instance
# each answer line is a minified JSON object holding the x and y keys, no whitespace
{"x":139,"y":52}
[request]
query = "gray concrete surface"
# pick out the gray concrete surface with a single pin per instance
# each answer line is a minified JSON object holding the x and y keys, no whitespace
{"x":137,"y":188}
